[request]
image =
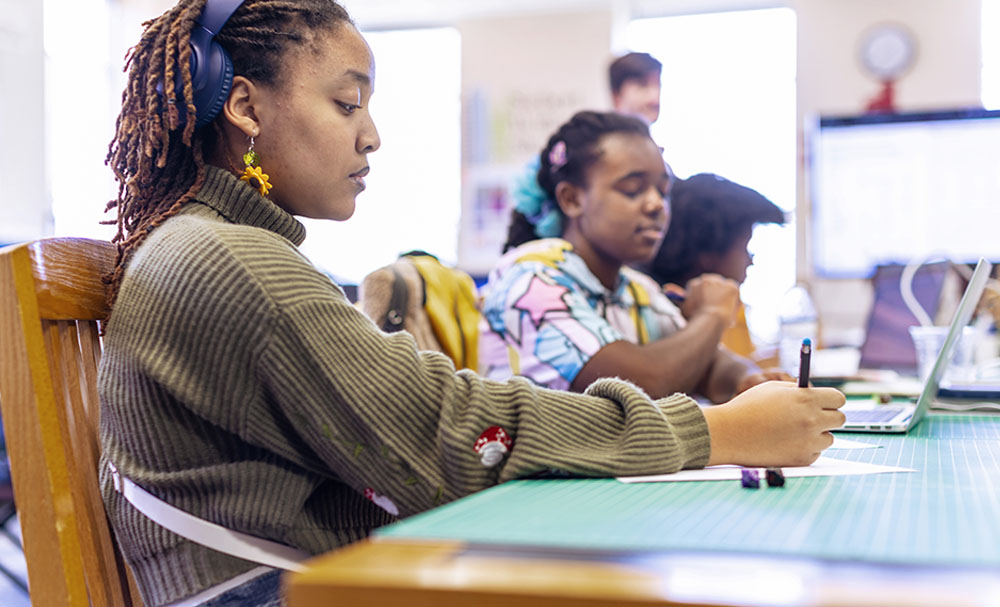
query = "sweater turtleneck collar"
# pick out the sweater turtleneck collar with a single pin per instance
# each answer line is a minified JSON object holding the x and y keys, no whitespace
{"x":238,"y":202}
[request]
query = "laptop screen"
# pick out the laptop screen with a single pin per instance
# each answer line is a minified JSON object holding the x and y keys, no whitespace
{"x":962,"y":317}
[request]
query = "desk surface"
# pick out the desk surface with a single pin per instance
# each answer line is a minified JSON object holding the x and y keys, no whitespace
{"x":917,"y":537}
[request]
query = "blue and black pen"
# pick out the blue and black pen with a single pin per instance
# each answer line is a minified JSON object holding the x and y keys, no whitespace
{"x":804,"y":355}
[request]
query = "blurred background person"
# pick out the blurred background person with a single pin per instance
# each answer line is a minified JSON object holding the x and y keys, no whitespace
{"x":712,"y":220}
{"x":635,"y":86}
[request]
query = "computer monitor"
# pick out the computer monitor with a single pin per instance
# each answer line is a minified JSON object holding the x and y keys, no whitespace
{"x":893,"y":188}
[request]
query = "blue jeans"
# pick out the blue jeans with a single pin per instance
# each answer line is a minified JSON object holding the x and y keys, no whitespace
{"x":262,"y":591}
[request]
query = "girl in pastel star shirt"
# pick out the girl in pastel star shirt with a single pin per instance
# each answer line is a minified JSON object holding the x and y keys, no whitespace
{"x":566,"y":311}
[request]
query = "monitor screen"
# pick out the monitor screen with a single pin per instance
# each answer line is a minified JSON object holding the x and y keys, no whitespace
{"x":894,"y":188}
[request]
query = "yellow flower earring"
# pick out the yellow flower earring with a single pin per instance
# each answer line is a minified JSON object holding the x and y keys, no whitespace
{"x":253,"y":174}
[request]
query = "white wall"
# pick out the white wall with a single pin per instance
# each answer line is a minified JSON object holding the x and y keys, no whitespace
{"x":522,"y":77}
{"x":533,"y":72}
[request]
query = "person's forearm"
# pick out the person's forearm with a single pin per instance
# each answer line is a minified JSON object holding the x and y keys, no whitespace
{"x":682,"y":361}
{"x":677,"y":363}
{"x":722,"y":380}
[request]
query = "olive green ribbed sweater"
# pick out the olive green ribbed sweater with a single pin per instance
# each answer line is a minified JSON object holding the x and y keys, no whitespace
{"x":239,"y":384}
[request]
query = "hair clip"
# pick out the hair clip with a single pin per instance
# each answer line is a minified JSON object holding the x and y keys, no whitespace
{"x":557,"y":156}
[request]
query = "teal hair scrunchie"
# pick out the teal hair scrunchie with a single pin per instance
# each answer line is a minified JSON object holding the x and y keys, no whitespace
{"x":532,"y":202}
{"x":549,"y":225}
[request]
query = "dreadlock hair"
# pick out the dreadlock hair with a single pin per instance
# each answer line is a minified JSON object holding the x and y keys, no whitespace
{"x":156,"y":154}
{"x":581,"y":136}
{"x":707,"y":214}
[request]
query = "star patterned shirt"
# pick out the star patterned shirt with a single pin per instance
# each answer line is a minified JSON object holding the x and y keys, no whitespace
{"x":545,"y":314}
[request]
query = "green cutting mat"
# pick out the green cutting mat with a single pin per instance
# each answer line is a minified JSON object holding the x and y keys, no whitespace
{"x":946,"y":512}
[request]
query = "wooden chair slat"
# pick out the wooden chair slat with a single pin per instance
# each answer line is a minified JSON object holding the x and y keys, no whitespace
{"x":51,"y":298}
{"x":22,"y":431}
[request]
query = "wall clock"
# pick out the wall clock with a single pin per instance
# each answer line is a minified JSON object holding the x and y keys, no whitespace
{"x":887,"y":50}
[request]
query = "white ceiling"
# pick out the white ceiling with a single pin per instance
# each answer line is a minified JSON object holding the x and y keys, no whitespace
{"x":383,"y":13}
{"x":411,"y":13}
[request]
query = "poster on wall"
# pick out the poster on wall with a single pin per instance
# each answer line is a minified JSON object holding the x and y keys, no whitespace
{"x":501,"y":134}
{"x":486,"y":208}
{"x":513,"y":127}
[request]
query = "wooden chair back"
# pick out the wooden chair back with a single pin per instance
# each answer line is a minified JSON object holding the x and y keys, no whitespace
{"x":51,"y":301}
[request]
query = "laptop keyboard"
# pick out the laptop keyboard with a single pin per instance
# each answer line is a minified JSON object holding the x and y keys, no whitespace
{"x":882,"y":414}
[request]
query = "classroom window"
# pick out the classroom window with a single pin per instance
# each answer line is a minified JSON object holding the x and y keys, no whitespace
{"x":413,"y":195}
{"x":83,"y":84}
{"x":989,"y":25}
{"x":728,"y":107}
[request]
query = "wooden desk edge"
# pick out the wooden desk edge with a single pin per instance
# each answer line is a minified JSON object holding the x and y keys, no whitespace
{"x":445,"y":573}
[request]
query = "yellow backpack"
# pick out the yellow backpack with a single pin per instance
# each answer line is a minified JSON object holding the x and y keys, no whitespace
{"x":437,"y":304}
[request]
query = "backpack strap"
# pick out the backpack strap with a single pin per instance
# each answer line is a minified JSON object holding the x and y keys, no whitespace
{"x":395,"y":315}
{"x":206,"y":533}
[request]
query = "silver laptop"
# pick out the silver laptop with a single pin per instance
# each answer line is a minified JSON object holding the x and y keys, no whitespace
{"x":872,"y":417}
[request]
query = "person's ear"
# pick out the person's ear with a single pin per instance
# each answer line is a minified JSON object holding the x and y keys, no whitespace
{"x":239,"y":107}
{"x":570,"y":199}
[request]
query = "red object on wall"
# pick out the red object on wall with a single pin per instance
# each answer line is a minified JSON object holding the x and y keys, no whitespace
{"x":884,"y":101}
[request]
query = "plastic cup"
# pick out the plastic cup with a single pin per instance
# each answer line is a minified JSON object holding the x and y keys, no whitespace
{"x":927,"y":342}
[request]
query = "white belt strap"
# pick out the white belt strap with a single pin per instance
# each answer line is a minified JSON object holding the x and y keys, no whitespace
{"x":205,"y":533}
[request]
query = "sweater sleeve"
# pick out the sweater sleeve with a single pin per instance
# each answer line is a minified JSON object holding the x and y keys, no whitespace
{"x":401,"y":426}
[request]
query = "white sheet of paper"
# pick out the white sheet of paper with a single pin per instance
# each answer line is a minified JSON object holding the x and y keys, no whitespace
{"x":824,"y":466}
{"x":843,"y":443}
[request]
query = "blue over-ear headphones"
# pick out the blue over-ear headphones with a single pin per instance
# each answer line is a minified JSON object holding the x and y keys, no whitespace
{"x":211,"y":67}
